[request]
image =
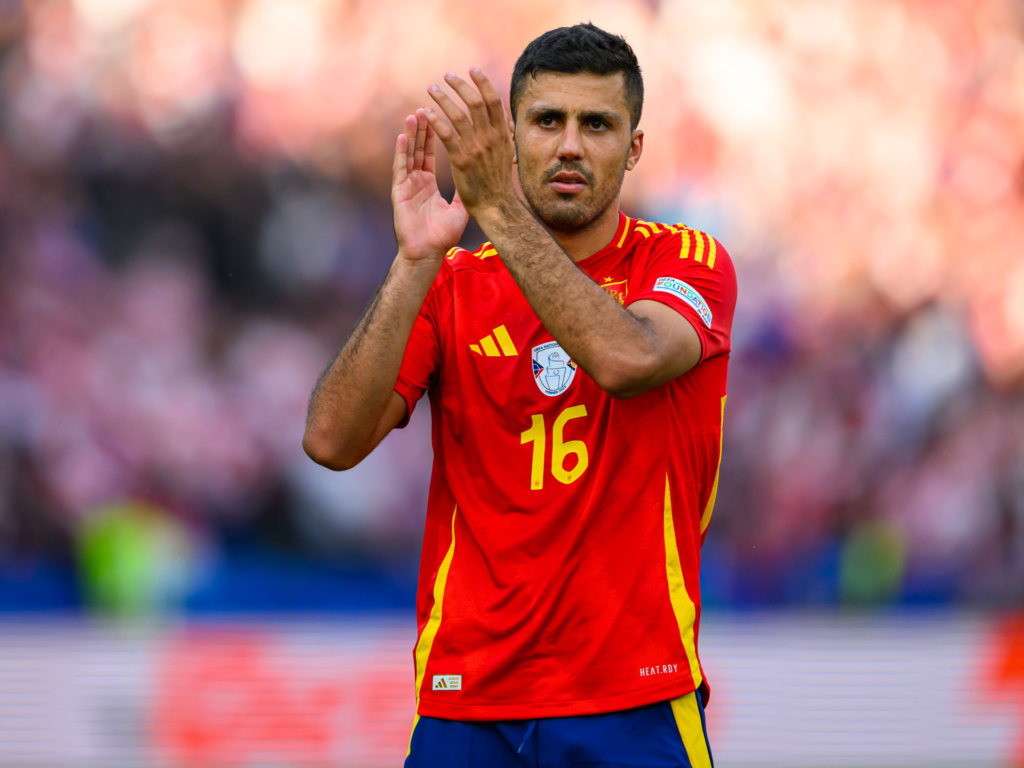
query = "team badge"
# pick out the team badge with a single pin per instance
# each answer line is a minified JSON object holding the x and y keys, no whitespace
{"x":553,"y":370}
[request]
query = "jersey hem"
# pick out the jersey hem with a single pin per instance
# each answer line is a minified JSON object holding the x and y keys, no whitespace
{"x":533,"y":711}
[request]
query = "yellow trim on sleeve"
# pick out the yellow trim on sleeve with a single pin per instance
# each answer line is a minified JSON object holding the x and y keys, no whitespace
{"x":505,"y":341}
{"x":682,"y":605}
{"x":684,"y":249}
{"x":640,"y":230}
{"x":691,"y":729}
{"x":710,"y":506}
{"x":625,"y":232}
{"x":699,"y":254}
{"x":488,"y":253}
{"x":426,"y":641}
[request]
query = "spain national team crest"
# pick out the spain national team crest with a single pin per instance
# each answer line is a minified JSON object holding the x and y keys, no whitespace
{"x":553,"y":370}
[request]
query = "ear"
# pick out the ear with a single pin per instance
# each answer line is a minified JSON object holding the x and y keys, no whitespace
{"x":636,"y":148}
{"x":512,"y":135}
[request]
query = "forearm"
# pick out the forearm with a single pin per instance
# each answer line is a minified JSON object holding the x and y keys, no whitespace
{"x":607,"y":341}
{"x":354,"y":390}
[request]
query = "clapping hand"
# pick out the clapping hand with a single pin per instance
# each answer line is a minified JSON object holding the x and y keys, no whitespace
{"x":426,"y":226}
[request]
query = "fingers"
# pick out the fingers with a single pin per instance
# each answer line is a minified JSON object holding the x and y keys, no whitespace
{"x":399,"y":171}
{"x":421,"y":139}
{"x":410,"y":143}
{"x":428,"y":148}
{"x":477,"y":107}
{"x":444,"y":132}
{"x":459,"y":120}
{"x":491,"y":98}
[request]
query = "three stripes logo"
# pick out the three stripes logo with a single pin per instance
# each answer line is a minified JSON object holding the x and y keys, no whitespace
{"x":447,"y":683}
{"x":489,"y":348}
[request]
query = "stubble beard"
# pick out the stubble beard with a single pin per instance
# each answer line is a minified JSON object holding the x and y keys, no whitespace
{"x":564,"y":213}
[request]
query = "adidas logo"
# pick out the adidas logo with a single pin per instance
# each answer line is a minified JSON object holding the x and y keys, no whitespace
{"x":490,"y":349}
{"x":447,"y":683}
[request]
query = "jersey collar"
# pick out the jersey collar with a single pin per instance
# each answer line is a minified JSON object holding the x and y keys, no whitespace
{"x":614,"y":248}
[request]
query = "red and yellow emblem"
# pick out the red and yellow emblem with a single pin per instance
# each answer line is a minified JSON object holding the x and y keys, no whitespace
{"x":617,"y":288}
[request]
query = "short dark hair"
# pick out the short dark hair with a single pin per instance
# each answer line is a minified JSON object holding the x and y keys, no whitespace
{"x":581,"y":48}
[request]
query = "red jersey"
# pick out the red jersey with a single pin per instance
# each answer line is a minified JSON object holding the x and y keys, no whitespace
{"x":561,"y":557}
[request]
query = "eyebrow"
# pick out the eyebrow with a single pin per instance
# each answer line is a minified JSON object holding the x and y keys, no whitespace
{"x":612,"y":118}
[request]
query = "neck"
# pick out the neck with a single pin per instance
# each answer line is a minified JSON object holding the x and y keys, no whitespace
{"x":581,"y":243}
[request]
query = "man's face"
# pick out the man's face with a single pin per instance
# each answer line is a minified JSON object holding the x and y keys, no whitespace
{"x":573,"y":146}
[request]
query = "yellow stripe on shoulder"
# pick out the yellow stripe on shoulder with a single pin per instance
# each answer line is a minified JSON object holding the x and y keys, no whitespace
{"x":684,"y":246}
{"x":704,"y":246}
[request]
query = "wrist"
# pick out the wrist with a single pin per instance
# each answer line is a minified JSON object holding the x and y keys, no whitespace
{"x":416,"y":270}
{"x":499,"y":213}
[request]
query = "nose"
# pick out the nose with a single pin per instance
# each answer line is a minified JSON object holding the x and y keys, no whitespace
{"x":570,"y":147}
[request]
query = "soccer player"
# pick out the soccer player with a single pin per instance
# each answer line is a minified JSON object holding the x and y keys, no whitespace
{"x":576,"y":370}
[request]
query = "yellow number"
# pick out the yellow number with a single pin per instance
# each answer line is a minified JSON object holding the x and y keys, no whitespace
{"x":535,"y":435}
{"x":560,"y":449}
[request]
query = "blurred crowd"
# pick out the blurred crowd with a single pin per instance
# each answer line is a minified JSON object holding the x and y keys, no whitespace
{"x":194,"y":211}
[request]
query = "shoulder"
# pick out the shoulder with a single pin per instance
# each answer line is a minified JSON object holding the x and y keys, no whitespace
{"x":483,"y":259}
{"x":682,"y":242}
{"x":682,"y":249}
{"x":460,"y":260}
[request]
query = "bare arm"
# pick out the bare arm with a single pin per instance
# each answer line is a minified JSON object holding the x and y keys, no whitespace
{"x":625,"y":351}
{"x":354,"y":404}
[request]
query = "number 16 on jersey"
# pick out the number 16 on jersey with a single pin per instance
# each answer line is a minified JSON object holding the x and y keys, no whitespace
{"x":560,"y":448}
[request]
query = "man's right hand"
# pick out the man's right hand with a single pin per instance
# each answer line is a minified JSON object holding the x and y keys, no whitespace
{"x":426,"y":226}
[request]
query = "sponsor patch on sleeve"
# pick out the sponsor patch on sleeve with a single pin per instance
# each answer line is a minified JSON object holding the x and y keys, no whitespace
{"x":686,"y":292}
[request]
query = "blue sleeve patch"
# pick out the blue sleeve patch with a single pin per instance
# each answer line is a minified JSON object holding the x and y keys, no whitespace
{"x":686,"y":292}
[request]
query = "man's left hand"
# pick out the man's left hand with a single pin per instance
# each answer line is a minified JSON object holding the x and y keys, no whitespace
{"x":478,"y":143}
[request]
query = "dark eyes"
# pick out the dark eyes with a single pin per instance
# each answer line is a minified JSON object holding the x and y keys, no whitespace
{"x":595,"y":125}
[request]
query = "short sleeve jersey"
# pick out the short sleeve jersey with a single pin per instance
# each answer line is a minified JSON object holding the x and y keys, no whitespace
{"x":561,"y":556}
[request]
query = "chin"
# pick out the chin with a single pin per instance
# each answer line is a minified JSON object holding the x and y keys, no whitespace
{"x":564,"y":214}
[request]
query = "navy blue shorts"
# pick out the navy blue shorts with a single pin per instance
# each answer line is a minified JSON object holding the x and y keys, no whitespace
{"x":670,"y":733}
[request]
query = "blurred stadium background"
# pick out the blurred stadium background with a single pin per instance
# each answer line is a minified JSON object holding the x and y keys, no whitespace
{"x":193,"y":213}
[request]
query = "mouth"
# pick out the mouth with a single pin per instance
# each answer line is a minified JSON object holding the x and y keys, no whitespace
{"x":567,"y":182}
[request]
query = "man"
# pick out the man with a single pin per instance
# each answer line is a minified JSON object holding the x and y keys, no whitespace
{"x":576,"y":367}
